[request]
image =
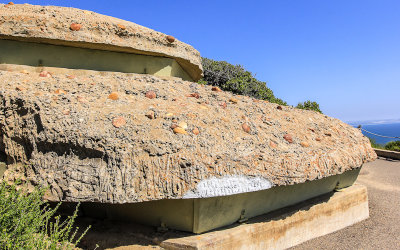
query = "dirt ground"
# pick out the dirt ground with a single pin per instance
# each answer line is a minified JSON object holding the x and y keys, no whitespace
{"x":380,"y":231}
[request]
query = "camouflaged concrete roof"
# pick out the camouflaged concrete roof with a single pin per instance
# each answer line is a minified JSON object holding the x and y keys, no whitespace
{"x":87,"y":29}
{"x":117,"y":138}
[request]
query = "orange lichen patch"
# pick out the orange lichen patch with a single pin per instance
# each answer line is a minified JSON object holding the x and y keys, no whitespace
{"x":233,"y":100}
{"x":122,"y":27}
{"x":223,"y":104}
{"x":82,"y":99}
{"x":196,"y":131}
{"x":272,"y":144}
{"x":60,"y":92}
{"x":20,"y":88}
{"x":150,"y":115}
{"x":119,"y":122}
{"x":224,"y":119}
{"x":215,"y":88}
{"x":191,"y":115}
{"x":304,"y":144}
{"x":66,"y":111}
{"x":45,"y":74}
{"x":203,"y":107}
{"x":75,"y":26}
{"x":71,"y":77}
{"x":195,"y":95}
{"x":113,"y":96}
{"x":246,"y":128}
{"x":318,"y":139}
{"x":170,"y":39}
{"x":288,"y":138}
{"x":179,"y":130}
{"x":151,"y":94}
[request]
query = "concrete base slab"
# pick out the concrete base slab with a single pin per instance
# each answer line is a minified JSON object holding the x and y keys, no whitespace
{"x":387,"y":154}
{"x":200,"y":215}
{"x":288,"y":227}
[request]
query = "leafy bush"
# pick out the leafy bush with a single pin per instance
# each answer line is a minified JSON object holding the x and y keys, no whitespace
{"x":309,"y":105}
{"x":236,"y":79}
{"x":393,"y":145}
{"x":374,"y":144}
{"x":27,"y":222}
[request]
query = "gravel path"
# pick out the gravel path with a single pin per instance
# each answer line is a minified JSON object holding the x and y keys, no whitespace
{"x":381,"y":230}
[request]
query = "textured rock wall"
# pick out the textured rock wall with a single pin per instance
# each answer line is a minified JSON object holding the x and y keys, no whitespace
{"x":116,"y":138}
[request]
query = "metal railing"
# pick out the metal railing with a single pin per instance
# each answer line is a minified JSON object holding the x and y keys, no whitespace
{"x":384,"y":136}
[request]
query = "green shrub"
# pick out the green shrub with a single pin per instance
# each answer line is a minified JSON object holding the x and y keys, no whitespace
{"x":236,"y":79}
{"x":27,"y":222}
{"x":374,"y":144}
{"x":393,"y":146}
{"x":309,"y":105}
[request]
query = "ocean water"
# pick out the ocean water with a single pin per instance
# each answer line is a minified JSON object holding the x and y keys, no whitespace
{"x":387,"y":129}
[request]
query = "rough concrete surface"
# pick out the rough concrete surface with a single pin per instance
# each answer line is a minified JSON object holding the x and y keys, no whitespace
{"x":118,"y":138}
{"x":87,"y":29}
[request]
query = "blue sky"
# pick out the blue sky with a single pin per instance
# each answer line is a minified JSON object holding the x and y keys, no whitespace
{"x":344,"y":54}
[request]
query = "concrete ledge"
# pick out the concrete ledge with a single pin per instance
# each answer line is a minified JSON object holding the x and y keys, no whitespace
{"x":308,"y":220}
{"x":387,"y":154}
{"x":38,"y":55}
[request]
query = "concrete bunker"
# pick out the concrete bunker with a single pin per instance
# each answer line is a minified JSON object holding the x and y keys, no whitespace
{"x":59,"y":56}
{"x":199,"y":215}
{"x":123,"y":163}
